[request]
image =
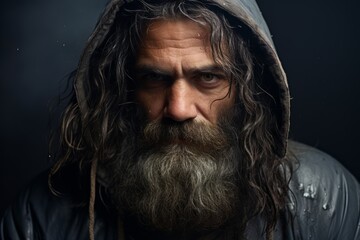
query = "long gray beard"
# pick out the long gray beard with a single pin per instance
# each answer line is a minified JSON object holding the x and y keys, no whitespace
{"x":183,"y":177}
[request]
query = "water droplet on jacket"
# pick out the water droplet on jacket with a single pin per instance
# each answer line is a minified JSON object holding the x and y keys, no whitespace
{"x":325,"y":206}
{"x":301,"y":186}
{"x":291,"y":206}
{"x":310,"y":192}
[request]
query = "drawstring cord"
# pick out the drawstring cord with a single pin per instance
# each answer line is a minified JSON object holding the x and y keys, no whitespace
{"x":92,"y":199}
{"x":121,"y":235}
{"x":80,"y":84}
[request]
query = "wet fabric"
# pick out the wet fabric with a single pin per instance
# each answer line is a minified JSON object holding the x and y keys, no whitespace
{"x":324,"y":201}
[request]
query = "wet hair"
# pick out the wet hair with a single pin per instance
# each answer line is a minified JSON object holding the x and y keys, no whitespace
{"x":97,"y":135}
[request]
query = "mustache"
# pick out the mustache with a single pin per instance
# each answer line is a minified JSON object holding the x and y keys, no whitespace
{"x":194,"y":134}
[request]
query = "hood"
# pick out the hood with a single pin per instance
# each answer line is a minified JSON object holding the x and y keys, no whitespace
{"x":249,"y":16}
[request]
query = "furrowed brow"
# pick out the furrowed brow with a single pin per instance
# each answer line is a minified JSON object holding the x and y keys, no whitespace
{"x":146,"y":69}
{"x":207,"y":69}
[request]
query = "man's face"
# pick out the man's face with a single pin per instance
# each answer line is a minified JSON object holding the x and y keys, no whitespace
{"x":181,"y":171}
{"x":177,"y":75}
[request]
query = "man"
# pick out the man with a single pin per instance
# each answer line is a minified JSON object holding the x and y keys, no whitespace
{"x":177,"y":129}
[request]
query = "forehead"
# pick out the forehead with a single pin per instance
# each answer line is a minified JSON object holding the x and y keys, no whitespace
{"x":175,"y":42}
{"x":179,"y":41}
{"x":176,"y":33}
{"x":181,"y":27}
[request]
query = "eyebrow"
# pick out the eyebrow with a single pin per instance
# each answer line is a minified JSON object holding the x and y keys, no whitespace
{"x":144,"y":69}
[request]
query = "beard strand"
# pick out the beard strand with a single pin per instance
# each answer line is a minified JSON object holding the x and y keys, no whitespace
{"x":182,"y":176}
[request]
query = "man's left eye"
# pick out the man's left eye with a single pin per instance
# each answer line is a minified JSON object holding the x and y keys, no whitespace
{"x":209,"y":77}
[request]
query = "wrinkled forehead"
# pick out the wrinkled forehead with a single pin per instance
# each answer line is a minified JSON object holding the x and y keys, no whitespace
{"x":184,"y":35}
{"x":177,"y":33}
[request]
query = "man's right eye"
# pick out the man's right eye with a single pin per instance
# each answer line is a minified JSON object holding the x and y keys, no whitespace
{"x":152,"y":77}
{"x":152,"y":80}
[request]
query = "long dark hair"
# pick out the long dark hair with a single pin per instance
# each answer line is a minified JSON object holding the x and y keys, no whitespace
{"x":109,"y":121}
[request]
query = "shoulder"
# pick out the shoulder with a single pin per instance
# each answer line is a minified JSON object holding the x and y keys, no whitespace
{"x":325,"y":197}
{"x":313,"y":167}
{"x":40,"y":214}
{"x":36,"y":212}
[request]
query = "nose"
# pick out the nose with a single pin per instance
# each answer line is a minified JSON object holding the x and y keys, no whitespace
{"x":181,"y":105}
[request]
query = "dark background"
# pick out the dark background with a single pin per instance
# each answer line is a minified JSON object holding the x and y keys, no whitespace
{"x":41,"y":42}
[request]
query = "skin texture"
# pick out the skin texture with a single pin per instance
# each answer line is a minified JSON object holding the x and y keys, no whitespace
{"x":177,"y":75}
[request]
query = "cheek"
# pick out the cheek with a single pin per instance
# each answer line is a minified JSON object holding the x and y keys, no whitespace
{"x":219,"y":108}
{"x":153,"y":104}
{"x":222,"y":107}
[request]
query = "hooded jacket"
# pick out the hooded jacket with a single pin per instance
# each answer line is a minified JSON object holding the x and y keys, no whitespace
{"x":324,"y":198}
